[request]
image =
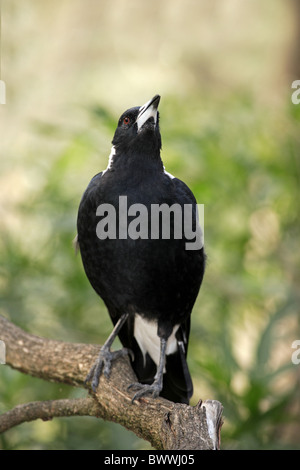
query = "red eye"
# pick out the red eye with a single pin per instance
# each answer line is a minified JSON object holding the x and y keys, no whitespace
{"x":126,"y":120}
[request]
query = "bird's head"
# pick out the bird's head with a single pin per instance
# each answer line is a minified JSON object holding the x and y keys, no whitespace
{"x":138,"y":129}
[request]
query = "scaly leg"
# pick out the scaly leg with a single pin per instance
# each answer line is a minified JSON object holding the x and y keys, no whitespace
{"x":106,"y":356}
{"x":156,"y":387}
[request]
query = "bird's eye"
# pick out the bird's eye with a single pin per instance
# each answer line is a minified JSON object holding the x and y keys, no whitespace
{"x":126,"y":120}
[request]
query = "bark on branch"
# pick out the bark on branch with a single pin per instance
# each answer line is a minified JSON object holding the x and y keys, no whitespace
{"x":47,"y":410}
{"x":164,"y":424}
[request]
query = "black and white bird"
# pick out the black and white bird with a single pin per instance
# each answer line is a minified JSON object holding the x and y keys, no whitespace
{"x":148,"y":281}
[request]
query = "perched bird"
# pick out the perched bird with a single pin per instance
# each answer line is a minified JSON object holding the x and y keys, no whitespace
{"x":144,"y":270}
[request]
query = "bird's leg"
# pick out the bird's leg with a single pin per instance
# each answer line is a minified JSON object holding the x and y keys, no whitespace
{"x":106,"y":356}
{"x":156,"y":387}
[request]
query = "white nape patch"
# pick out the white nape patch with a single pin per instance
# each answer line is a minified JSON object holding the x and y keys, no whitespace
{"x":143,"y":116}
{"x":169,"y":174}
{"x":145,"y":332}
{"x":110,"y":159}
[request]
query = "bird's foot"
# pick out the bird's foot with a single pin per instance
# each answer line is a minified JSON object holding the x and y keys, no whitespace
{"x":144,"y":389}
{"x":104,"y":361}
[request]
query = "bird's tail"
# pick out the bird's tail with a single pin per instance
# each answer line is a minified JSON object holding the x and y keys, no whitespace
{"x":177,"y":382}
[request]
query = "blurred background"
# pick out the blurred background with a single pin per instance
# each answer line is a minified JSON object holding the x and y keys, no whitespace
{"x":230,"y":131}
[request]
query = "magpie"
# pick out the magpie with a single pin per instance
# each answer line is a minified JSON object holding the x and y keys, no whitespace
{"x":149,"y":280}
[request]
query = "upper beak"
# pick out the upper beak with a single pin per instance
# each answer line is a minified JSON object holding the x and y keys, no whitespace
{"x":147,"y":111}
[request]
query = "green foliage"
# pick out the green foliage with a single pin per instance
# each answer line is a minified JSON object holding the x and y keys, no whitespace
{"x":241,"y":161}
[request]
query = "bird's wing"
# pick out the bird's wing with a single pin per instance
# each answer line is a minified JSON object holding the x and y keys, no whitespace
{"x":184,"y":191}
{"x":84,"y":198}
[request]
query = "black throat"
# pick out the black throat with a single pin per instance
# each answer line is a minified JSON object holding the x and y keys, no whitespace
{"x":143,"y":157}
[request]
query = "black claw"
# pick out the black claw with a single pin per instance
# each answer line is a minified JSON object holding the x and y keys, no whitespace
{"x":145,"y":389}
{"x":94,"y":385}
{"x":104,"y":362}
{"x":90,"y":375}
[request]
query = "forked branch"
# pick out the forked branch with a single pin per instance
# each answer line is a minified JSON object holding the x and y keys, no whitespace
{"x":164,"y":424}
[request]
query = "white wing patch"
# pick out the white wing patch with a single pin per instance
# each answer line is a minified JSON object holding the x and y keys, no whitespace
{"x":145,"y":333}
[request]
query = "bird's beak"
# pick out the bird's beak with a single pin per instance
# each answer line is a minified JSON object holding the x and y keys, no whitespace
{"x":147,"y":111}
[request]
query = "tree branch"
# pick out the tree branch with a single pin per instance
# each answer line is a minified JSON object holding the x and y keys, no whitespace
{"x":164,"y":424}
{"x":47,"y":410}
